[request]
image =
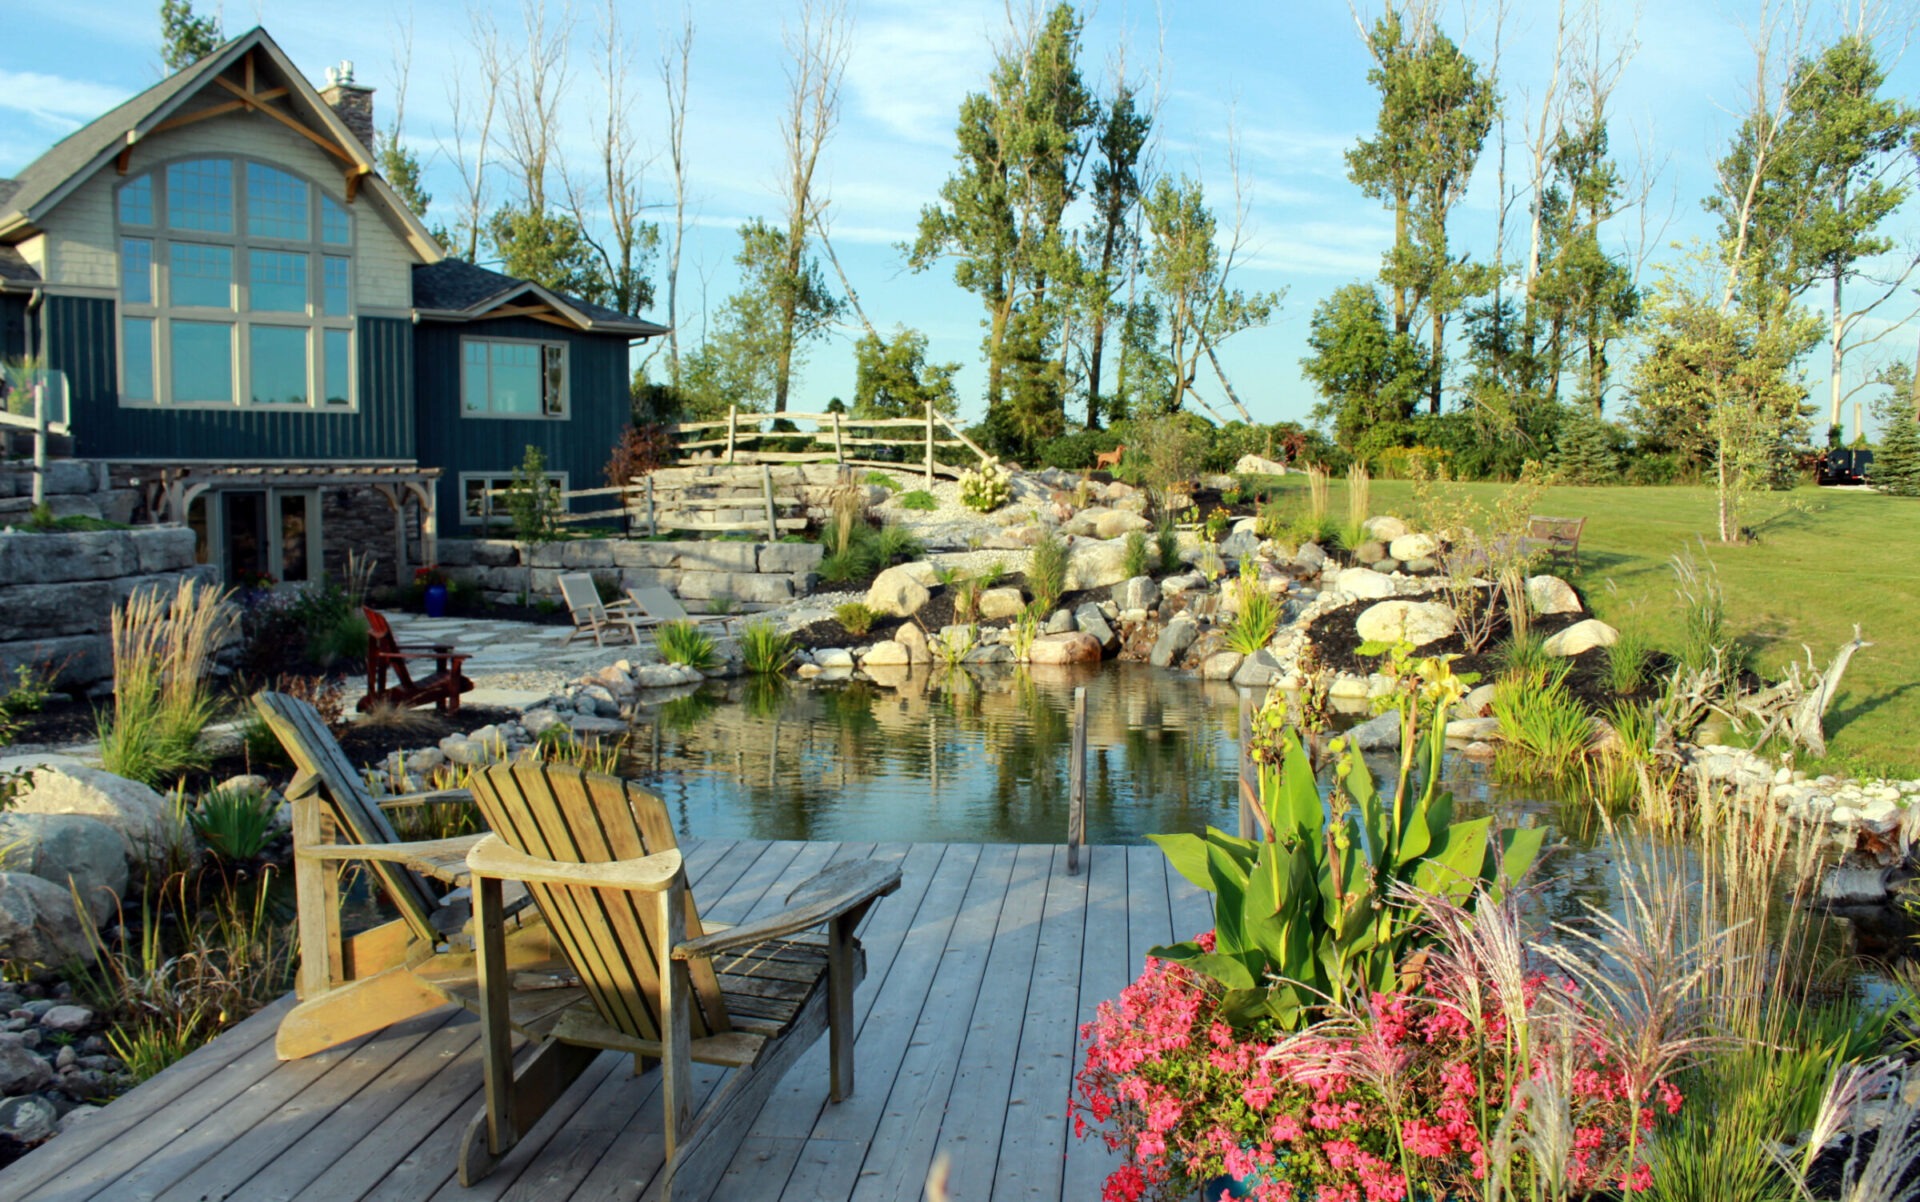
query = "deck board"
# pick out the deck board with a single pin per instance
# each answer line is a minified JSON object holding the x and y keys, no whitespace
{"x":980,"y":971}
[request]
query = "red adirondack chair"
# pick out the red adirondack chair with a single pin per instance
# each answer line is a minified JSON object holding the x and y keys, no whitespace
{"x":442,"y":689}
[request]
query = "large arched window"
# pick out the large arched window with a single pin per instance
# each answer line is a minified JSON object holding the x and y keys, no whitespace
{"x":236,"y":288}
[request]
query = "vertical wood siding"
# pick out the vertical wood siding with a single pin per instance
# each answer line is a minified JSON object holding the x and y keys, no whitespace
{"x":81,"y":334}
{"x":598,"y":409}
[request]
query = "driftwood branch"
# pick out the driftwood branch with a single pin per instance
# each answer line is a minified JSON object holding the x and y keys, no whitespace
{"x":1793,"y":707}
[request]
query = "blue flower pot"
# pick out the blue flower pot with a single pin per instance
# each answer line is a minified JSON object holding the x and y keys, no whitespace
{"x":436,"y":600}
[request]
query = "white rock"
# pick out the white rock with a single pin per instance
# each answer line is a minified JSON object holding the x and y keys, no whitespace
{"x":1475,"y":703}
{"x":898,"y":592}
{"x":1257,"y":465}
{"x":67,"y":1018}
{"x":1473,"y":729}
{"x":1381,"y":733}
{"x":1096,"y":565}
{"x":1349,"y":687}
{"x":885,"y":654}
{"x":835,"y":657}
{"x":997,"y":603}
{"x":1418,"y":622}
{"x":1552,"y":595}
{"x":1412,"y":546}
{"x":1385,"y":528}
{"x":1364,"y":583}
{"x":1139,"y":593}
{"x":145,"y":820}
{"x":1582,"y":636}
{"x":1118,"y":523}
{"x":1221,"y":665}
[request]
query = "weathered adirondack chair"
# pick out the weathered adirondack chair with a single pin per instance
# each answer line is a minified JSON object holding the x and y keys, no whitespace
{"x":593,"y":616}
{"x":350,"y":985}
{"x":641,"y":975}
{"x":385,"y":654}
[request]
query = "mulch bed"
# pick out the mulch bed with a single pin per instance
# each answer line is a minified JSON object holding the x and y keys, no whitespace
{"x":63,"y":722}
{"x":1337,"y":643}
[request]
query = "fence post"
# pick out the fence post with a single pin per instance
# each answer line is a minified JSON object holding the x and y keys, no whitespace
{"x":929,"y":444}
{"x":653,"y":522}
{"x":766,"y":490}
{"x":839,"y":451}
{"x":733,"y":421}
{"x":40,"y":444}
{"x":1249,"y":783}
{"x":1077,"y":782}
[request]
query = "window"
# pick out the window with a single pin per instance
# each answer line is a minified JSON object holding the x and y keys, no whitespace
{"x":225,"y":295}
{"x":478,"y":505}
{"x":500,"y":378}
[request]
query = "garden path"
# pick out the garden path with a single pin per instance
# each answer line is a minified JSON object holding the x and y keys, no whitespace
{"x":979,"y":972}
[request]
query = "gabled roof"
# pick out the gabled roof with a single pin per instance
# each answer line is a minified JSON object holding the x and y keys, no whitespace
{"x":456,"y":290}
{"x":71,"y":161}
{"x":15,"y":270}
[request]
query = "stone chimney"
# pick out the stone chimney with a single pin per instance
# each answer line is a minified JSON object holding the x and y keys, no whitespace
{"x":351,"y":102}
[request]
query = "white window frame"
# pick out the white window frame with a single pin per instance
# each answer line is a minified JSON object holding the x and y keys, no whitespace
{"x":566,"y":380}
{"x":241,"y":316}
{"x":491,"y":481}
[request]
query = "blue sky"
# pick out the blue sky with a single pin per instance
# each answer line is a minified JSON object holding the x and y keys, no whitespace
{"x":1290,"y":77}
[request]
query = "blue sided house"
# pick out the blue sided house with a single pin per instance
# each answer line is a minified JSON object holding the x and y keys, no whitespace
{"x":254,"y":329}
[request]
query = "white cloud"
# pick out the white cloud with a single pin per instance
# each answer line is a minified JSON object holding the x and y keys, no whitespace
{"x":63,"y":103}
{"x":910,"y":68}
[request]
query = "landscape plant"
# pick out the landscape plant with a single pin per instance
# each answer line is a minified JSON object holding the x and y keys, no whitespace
{"x":1359,"y":506}
{"x":1133,"y":557}
{"x":952,"y":644}
{"x":765,"y":649}
{"x":236,"y":822}
{"x":1047,"y":572}
{"x":682,"y":642}
{"x":987,"y":487}
{"x":1256,"y":613}
{"x":855,"y":617}
{"x":1166,"y":545}
{"x":919,"y":499}
{"x":163,"y":649}
{"x":26,"y":695}
{"x":533,"y":500}
{"x":883,"y":480}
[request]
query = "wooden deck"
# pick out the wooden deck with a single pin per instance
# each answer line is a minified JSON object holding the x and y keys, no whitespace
{"x":980,"y":971}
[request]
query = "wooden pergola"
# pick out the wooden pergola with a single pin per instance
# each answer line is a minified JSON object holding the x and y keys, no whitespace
{"x":170,"y":490}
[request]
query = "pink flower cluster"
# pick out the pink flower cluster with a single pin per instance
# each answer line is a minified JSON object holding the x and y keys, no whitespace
{"x":1397,"y":1100}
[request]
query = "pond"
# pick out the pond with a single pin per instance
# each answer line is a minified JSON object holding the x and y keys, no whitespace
{"x":983,"y":759}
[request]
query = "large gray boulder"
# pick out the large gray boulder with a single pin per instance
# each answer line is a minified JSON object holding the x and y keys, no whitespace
{"x":1257,"y":670}
{"x":1385,"y":528}
{"x":1221,"y":665}
{"x":1364,"y":583}
{"x":898,"y":592}
{"x":148,"y":822}
{"x":1139,"y":592}
{"x":1552,"y":595}
{"x":1381,"y":733}
{"x":1582,"y":636}
{"x":28,"y":1120}
{"x":1418,"y":622}
{"x":39,"y":923}
{"x":996,"y":603}
{"x":1089,"y":620}
{"x":1173,"y":641}
{"x":21,"y":1071}
{"x":68,"y":849}
{"x":1096,"y":565}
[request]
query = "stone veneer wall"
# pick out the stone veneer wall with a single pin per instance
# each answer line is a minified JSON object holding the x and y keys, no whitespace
{"x":57,"y":592}
{"x":754,"y":575}
{"x":359,"y":519}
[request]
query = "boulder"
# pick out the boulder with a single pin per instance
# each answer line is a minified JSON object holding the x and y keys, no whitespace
{"x":1422,"y":566}
{"x":1476,"y":703}
{"x":898,"y":592}
{"x":1221,"y":665}
{"x":1118,"y":523}
{"x":1089,"y":620}
{"x":1186,"y":582}
{"x":1364,"y":583}
{"x":989,"y":653}
{"x":38,"y":922}
{"x":665,"y":676}
{"x":1084,"y":523}
{"x":996,"y":603}
{"x":1387,"y":565}
{"x":1310,"y":558}
{"x":67,"y":1017}
{"x":1413,"y":546}
{"x":1059,"y":622}
{"x":1257,"y":671}
{"x":28,"y":1120}
{"x":1472,"y":730}
{"x":1173,"y":641}
{"x":1096,"y":565}
{"x":1371,"y":551}
{"x":69,"y":850}
{"x":144,"y":819}
{"x":1138,"y":593}
{"x":1385,"y":528}
{"x":1582,"y":636}
{"x":1552,"y":595}
{"x":1072,"y":647}
{"x":886,"y":654}
{"x":1381,"y":733}
{"x":1241,"y":543}
{"x":1258,"y":465}
{"x":1418,"y":622}
{"x":21,"y":1071}
{"x":914,"y":640}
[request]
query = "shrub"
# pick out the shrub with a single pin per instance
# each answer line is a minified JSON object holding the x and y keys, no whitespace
{"x":1047,"y":572}
{"x":533,"y":500}
{"x":854,"y":617}
{"x":1256,"y":615}
{"x":1896,"y":469}
{"x":1134,"y":559}
{"x":1627,"y":659}
{"x":162,"y":649}
{"x":1166,"y":543}
{"x":27,"y":695}
{"x":893,"y":543}
{"x":839,"y":567}
{"x":682,"y":642}
{"x":919,"y":499}
{"x":1076,"y":450}
{"x":765,"y":649}
{"x":643,"y":448}
{"x":987,"y":488}
{"x":237,"y":823}
{"x":883,"y":480}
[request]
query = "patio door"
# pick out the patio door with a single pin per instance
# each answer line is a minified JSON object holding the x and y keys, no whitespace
{"x":262,"y":533}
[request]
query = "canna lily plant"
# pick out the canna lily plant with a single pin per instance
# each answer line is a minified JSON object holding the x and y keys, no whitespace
{"x":1313,"y":913}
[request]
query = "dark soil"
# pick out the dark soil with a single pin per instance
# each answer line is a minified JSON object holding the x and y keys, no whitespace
{"x":62,"y":722}
{"x":1337,"y":644}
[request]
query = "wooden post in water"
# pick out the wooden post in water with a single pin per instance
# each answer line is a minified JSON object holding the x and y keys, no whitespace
{"x":1249,"y":774}
{"x":1077,"y":782}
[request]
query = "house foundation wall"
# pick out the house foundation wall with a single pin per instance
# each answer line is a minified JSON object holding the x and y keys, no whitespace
{"x":708,"y":576}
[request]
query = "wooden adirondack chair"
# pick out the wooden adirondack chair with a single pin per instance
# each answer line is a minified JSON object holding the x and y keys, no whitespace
{"x":350,"y":985}
{"x":598,"y":856}
{"x":442,"y":689}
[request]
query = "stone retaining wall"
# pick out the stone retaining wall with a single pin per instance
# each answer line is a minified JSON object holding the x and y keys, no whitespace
{"x":57,"y":592}
{"x":753,"y":575}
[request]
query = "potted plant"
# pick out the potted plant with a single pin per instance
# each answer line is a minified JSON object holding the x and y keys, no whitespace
{"x":432,"y":583}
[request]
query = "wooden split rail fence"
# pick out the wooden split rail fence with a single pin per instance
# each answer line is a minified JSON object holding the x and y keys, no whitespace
{"x":836,"y":438}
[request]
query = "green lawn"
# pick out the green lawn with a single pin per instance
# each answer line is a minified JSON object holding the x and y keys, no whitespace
{"x":1831,"y":559}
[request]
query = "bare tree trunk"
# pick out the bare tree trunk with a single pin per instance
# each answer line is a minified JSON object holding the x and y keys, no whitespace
{"x":846,"y":285}
{"x":819,"y":49}
{"x":473,"y":119}
{"x":673,"y":74}
{"x":630,"y":239}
